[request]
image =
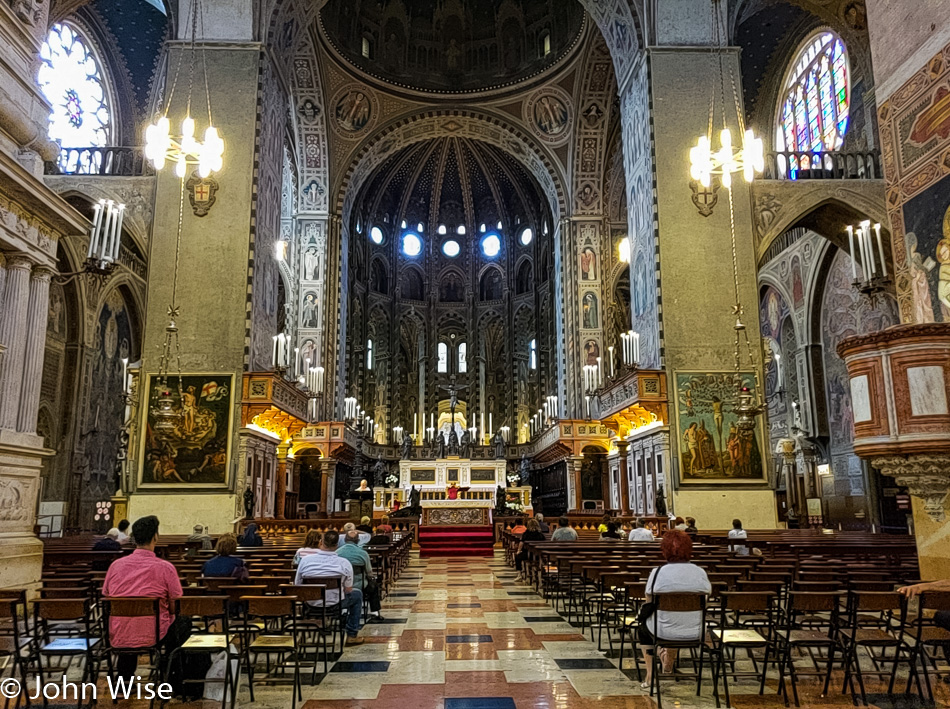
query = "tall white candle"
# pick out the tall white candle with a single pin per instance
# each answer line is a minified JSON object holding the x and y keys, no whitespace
{"x":611,"y":350}
{"x":866,"y":228}
{"x":880,"y":248}
{"x":94,"y":234}
{"x":854,"y":265}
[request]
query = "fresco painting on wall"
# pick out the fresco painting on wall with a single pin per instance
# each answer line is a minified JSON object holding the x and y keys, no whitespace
{"x":927,"y":242}
{"x":712,"y":448}
{"x":193,"y":451}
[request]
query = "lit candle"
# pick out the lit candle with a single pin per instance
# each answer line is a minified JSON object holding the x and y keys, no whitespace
{"x":587,"y":401}
{"x":94,"y":234}
{"x":611,"y":350}
{"x":854,"y":265}
{"x":125,"y":372}
{"x":880,"y":248}
{"x":490,"y":427}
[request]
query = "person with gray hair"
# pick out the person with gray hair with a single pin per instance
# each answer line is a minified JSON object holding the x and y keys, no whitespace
{"x":349,"y":527}
{"x":542,"y":524}
{"x":362,"y":572}
{"x":640,"y":533}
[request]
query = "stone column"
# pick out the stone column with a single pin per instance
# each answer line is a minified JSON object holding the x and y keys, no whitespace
{"x":280,"y":483}
{"x":624,"y":478}
{"x":13,"y":336}
{"x":327,"y":484}
{"x":574,"y":464}
{"x":35,"y":349}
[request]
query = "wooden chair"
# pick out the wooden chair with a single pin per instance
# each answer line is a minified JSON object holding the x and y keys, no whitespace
{"x":135,"y":607}
{"x":679,"y":603}
{"x":735,"y":634}
{"x":209,"y":611}
{"x":72,"y":614}
{"x":811,"y":622}
{"x":280,"y":614}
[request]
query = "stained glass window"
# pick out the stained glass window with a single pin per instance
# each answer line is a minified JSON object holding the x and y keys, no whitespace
{"x":813,"y":113}
{"x":72,"y":80}
{"x":443,"y":362}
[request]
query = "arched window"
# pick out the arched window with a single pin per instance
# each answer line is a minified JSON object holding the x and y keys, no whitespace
{"x":462,"y":361}
{"x":443,"y":363}
{"x":525,"y":280}
{"x":379,"y":280}
{"x":412,"y":286}
{"x":813,"y":113}
{"x":369,"y":354}
{"x":533,"y":352}
{"x":72,"y":80}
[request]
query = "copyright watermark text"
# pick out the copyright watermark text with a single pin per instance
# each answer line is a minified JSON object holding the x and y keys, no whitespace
{"x":64,"y":689}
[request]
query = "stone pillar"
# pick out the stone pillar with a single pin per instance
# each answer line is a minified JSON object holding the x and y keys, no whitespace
{"x":35,"y":349}
{"x":13,"y":321}
{"x":327,"y":485}
{"x":574,"y":464}
{"x":624,"y":478}
{"x":280,"y":484}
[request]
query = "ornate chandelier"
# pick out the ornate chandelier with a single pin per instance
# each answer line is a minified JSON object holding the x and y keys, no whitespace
{"x":184,"y":149}
{"x":749,"y":159}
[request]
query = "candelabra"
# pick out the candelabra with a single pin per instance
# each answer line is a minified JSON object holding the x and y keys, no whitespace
{"x":105,"y":239}
{"x":873,"y":277}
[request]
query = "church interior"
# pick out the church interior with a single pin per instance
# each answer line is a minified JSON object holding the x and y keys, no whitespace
{"x":502,"y":284}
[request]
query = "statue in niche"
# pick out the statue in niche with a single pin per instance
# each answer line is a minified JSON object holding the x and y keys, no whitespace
{"x":465,"y":447}
{"x":498,"y":445}
{"x":248,"y":502}
{"x":414,"y":495}
{"x":660,"y":502}
{"x":525,"y":470}
{"x":500,"y":498}
{"x":406,"y":445}
{"x":380,"y":470}
{"x":440,"y":445}
{"x":452,"y":54}
{"x":591,"y":317}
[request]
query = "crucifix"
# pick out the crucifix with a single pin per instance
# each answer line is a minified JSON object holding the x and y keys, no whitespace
{"x":453,"y":390}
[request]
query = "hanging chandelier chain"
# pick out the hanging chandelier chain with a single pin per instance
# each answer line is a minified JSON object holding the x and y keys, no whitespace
{"x":191,"y":63}
{"x":204,"y":68}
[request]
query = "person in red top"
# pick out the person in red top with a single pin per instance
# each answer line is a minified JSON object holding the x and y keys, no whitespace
{"x":143,"y":574}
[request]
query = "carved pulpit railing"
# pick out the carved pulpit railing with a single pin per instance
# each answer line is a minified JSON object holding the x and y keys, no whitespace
{"x":632,"y":399}
{"x":273,"y":403}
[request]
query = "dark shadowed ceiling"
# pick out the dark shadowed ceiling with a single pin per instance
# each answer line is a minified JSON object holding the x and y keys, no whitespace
{"x":450,"y":46}
{"x":451,"y":181}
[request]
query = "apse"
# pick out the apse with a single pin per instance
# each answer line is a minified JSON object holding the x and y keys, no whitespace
{"x":445,"y":251}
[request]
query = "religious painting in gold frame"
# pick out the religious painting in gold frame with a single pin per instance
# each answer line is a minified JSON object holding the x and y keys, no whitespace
{"x":712,"y":449}
{"x":193,"y":449}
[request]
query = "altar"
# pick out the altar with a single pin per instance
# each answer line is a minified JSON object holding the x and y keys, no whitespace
{"x":454,"y":491}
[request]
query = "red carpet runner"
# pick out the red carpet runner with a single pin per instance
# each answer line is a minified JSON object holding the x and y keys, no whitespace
{"x":456,"y":541}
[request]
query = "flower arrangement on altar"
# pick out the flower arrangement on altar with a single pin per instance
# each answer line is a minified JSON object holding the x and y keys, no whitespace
{"x":391,"y":480}
{"x":514,"y":479}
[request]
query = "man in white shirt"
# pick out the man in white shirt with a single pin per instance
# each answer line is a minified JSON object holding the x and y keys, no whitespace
{"x":349,"y":527}
{"x":123,"y":527}
{"x":737,"y":532}
{"x":640,"y":533}
{"x":326,"y":563}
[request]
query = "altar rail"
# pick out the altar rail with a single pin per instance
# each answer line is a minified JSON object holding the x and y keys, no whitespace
{"x":284,"y":527}
{"x":462,"y":495}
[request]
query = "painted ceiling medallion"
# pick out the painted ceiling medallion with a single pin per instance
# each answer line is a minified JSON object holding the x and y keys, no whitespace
{"x":550,"y":114}
{"x":353,"y":110}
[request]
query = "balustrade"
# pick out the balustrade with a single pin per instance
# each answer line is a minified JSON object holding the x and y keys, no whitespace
{"x":789,"y":165}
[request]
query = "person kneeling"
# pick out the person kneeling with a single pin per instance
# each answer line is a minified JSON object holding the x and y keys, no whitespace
{"x":326,"y":563}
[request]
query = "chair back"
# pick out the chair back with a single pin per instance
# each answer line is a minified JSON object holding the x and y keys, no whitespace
{"x":270,"y":606}
{"x":205,"y":607}
{"x":934,"y":601}
{"x":61,"y":608}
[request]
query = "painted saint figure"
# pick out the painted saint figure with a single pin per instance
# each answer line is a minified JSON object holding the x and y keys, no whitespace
{"x":309,"y":311}
{"x":588,"y":264}
{"x":590,"y":310}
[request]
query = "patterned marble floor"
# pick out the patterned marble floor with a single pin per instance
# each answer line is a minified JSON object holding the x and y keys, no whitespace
{"x":466,"y":634}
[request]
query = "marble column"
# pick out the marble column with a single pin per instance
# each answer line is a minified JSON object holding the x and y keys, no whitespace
{"x":327,"y":485}
{"x":624,"y":478}
{"x":35,"y":349}
{"x":574,"y":464}
{"x":13,"y":336}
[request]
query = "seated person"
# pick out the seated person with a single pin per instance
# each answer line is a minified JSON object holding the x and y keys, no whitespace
{"x":678,"y":575}
{"x":224,"y":563}
{"x":200,"y":535}
{"x":251,"y":537}
{"x":691,"y":527}
{"x":365,"y":525}
{"x":349,"y":527}
{"x":611,"y":532}
{"x":602,"y":527}
{"x":384,"y":527}
{"x":519,"y":527}
{"x":363,"y":569}
{"x":310,"y":545}
{"x":326,"y":563}
{"x":110,"y":542}
{"x":143,"y":574}
{"x":124,"y":537}
{"x":737,"y":532}
{"x":640,"y":533}
{"x":564,"y":532}
{"x":542,"y":524}
{"x":680,"y":524}
{"x":532,"y":533}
